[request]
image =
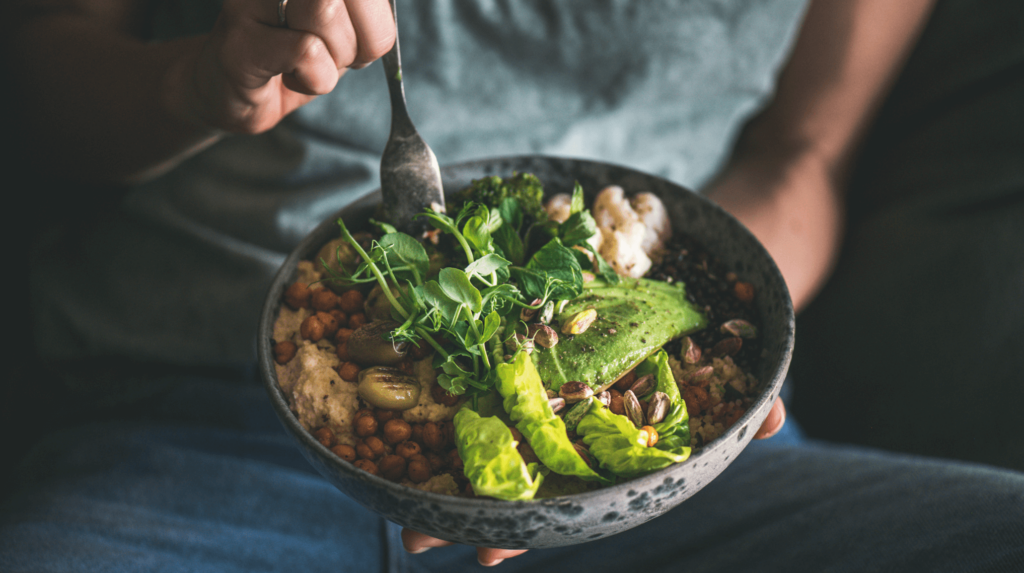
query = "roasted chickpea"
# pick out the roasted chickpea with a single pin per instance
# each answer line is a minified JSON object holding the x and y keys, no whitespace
{"x":284,"y":351}
{"x":297,"y":296}
{"x":323,"y":300}
{"x":345,"y":452}
{"x":437,"y":462}
{"x":408,"y":449}
{"x":312,"y":329}
{"x":325,"y":436}
{"x":356,"y":320}
{"x":330,"y":323}
{"x":433,"y":436}
{"x":367,"y":466}
{"x":744,"y":291}
{"x":343,"y":334}
{"x":371,"y":448}
{"x":363,"y":412}
{"x":419,"y":471}
{"x":383,"y":416}
{"x":342,"y":352}
{"x":352,"y":302}
{"x":365,"y":426}
{"x":397,"y":430}
{"x":341,"y":317}
{"x":349,"y":371}
{"x":442,"y":396}
{"x":448,"y":431}
{"x":417,"y":433}
{"x":392,"y":467}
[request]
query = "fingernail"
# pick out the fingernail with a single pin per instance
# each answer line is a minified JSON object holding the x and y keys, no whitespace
{"x":418,"y":551}
{"x":490,"y":563}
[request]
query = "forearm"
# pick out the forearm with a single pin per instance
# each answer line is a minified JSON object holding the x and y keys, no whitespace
{"x":102,"y":105}
{"x":786,"y":178}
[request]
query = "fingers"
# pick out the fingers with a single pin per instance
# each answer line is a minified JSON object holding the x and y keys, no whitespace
{"x":416,"y":542}
{"x":490,"y":557}
{"x":356,"y":32}
{"x":773,"y":422}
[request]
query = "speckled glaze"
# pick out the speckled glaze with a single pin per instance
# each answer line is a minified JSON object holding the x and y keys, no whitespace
{"x":583,"y":517}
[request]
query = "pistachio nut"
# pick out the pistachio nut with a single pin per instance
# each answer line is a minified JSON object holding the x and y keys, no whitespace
{"x":545,"y":336}
{"x":701,"y":374}
{"x":527,"y":314}
{"x":605,"y":398}
{"x":691,"y":351}
{"x":388,"y":388}
{"x":573,"y":392}
{"x":371,"y":344}
{"x":739,"y":327}
{"x":644,"y":385}
{"x":583,"y":453}
{"x":576,"y":413}
{"x":557,"y":404}
{"x":658,"y":407}
{"x":551,"y":393}
{"x":580,"y":322}
{"x":634,"y":411}
{"x":727,"y":346}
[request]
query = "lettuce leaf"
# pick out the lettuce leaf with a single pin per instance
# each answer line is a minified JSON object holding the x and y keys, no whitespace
{"x":527,"y":405}
{"x":492,"y":463}
{"x":619,"y":447}
{"x":674,"y":430}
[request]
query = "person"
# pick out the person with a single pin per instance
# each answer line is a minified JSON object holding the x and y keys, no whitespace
{"x":176,"y":464}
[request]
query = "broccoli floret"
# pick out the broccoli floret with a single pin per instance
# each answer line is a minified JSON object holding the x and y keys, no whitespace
{"x":491,"y":191}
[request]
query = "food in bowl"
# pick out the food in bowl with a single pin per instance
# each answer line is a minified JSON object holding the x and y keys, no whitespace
{"x":522,"y":349}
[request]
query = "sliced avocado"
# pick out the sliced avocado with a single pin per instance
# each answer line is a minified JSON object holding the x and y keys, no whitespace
{"x":634,"y":319}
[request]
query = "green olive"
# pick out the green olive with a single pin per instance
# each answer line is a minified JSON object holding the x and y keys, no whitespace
{"x":388,"y":388}
{"x":333,"y":252}
{"x":377,"y":306}
{"x":371,"y":344}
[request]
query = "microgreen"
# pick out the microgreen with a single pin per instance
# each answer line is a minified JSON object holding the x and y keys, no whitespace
{"x":465,"y":309}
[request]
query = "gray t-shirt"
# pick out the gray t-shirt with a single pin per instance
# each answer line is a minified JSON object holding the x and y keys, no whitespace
{"x":178,"y":270}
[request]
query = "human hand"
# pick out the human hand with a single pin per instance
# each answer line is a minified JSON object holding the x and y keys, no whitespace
{"x":416,"y":542}
{"x":251,"y":72}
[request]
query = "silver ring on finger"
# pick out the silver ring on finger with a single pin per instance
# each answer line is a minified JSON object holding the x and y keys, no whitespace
{"x":282,"y":15}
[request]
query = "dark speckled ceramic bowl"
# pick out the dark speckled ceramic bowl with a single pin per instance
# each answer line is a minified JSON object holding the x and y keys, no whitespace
{"x":576,"y":518}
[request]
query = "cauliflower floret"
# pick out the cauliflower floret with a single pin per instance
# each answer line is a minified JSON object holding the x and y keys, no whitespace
{"x":631,"y":229}
{"x":622,"y":233}
{"x":652,"y":213}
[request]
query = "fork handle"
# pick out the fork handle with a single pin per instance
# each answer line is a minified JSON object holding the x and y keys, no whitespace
{"x":401,"y":124}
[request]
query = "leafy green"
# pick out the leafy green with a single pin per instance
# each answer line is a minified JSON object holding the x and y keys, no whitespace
{"x":527,"y":405}
{"x":620,"y":447}
{"x":492,"y":463}
{"x":675,"y":427}
{"x":525,"y":188}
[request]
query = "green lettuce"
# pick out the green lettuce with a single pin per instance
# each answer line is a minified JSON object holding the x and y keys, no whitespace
{"x":492,"y":463}
{"x":674,"y":430}
{"x":527,"y":405}
{"x":619,"y":446}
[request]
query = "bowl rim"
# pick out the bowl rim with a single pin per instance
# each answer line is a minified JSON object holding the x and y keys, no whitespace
{"x":268,"y":373}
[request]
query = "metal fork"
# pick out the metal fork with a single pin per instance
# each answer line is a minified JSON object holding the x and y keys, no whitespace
{"x":410,"y":178}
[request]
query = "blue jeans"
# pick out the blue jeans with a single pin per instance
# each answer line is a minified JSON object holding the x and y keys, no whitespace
{"x":204,"y":479}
